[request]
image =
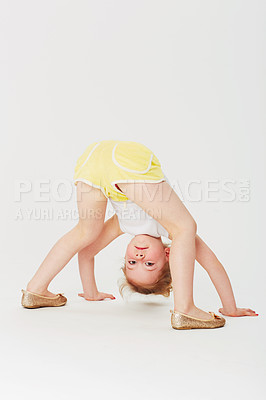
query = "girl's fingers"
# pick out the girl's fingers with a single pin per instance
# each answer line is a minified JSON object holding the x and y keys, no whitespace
{"x":107,"y":296}
{"x":110,"y":296}
{"x":252,"y":313}
{"x":241,"y":312}
{"x":101,"y":297}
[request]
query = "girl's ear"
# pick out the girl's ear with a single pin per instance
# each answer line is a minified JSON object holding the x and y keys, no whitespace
{"x":167,"y":251}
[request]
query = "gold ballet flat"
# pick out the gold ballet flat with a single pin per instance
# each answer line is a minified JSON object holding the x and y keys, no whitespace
{"x":34,"y":300}
{"x":184,"y":321}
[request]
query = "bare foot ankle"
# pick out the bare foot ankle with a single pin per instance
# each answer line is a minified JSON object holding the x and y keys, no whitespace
{"x":195,"y":312}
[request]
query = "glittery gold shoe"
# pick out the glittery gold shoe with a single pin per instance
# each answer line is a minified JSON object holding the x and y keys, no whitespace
{"x":184,"y":321}
{"x":34,"y":300}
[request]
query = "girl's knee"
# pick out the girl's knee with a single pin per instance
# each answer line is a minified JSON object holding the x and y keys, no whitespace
{"x":88,"y":233}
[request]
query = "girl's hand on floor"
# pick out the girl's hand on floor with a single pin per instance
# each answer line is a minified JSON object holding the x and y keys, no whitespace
{"x":99,"y":296}
{"x":238,"y":312}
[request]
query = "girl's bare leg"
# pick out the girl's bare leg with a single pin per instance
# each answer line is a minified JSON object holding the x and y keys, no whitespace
{"x":91,"y":207}
{"x":161,"y":202}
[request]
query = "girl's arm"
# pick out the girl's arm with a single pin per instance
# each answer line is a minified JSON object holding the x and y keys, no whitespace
{"x":110,"y":231}
{"x":208,"y":260}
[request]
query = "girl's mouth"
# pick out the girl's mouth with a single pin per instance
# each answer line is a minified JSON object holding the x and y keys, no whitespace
{"x":141,"y":248}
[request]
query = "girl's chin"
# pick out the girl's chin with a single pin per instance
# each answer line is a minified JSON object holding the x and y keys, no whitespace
{"x":145,"y":235}
{"x":144,"y":240}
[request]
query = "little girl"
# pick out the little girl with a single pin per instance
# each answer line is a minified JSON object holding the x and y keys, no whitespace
{"x":129,"y":174}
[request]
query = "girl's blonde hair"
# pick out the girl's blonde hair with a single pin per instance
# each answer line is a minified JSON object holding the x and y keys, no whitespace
{"x":162,"y":286}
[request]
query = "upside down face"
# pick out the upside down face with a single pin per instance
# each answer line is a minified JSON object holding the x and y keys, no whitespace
{"x":145,"y":258}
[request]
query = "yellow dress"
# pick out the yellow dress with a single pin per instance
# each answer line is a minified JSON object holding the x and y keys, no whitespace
{"x":107,"y":162}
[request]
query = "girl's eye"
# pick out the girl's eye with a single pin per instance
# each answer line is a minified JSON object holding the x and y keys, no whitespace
{"x":148,"y":264}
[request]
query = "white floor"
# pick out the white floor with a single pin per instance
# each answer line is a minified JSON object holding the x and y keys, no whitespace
{"x":126,"y":349}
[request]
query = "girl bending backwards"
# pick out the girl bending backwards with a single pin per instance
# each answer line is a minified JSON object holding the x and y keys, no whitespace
{"x":130,"y":176}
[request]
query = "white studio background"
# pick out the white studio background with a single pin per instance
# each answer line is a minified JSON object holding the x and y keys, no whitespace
{"x":187,"y":79}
